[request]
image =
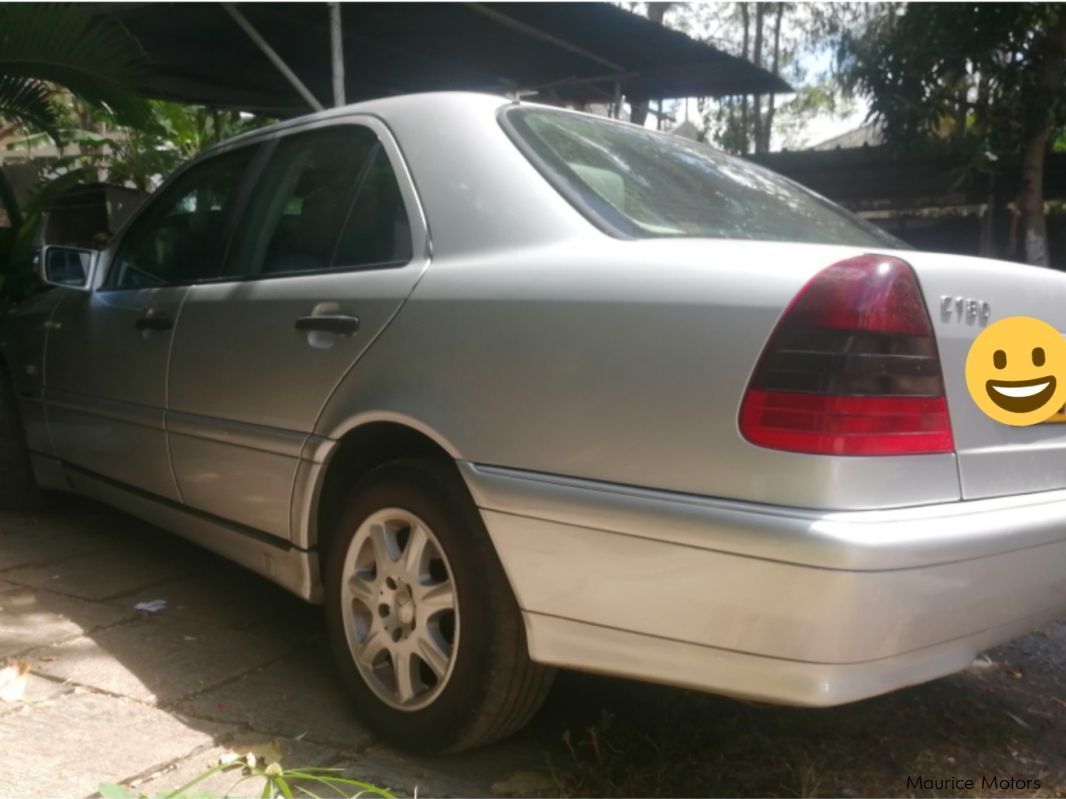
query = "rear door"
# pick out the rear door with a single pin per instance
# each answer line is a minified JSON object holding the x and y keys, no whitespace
{"x":108,"y":349}
{"x":330,"y":245}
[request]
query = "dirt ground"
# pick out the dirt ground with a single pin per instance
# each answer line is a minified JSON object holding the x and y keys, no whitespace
{"x":149,"y":698}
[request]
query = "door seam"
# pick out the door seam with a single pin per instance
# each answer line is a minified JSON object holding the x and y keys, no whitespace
{"x":166,"y":395}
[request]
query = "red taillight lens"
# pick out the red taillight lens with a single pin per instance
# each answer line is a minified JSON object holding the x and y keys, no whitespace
{"x":852,"y":368}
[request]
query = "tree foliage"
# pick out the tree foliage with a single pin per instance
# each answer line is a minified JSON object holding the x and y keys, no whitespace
{"x":49,"y":52}
{"x":966,"y":71}
{"x":982,"y":82}
{"x":173,"y":134}
{"x":28,"y":103}
{"x":49,"y":45}
{"x":98,"y":148}
{"x":795,"y":41}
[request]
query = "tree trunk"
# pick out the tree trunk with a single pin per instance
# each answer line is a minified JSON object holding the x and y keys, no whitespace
{"x":638,"y":109}
{"x":1031,"y":201}
{"x":1031,"y":196}
{"x":980,"y":111}
{"x":962,"y":108}
{"x":768,"y":124}
{"x":744,"y":100}
{"x":757,"y":60}
{"x":657,"y":11}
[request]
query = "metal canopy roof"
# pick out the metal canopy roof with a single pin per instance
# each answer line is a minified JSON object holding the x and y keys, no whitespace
{"x":584,"y":52}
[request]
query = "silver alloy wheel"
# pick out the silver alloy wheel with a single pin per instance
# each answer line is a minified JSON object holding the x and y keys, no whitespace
{"x":400,"y":609}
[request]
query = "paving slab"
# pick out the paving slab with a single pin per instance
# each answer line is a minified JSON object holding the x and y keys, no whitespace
{"x":100,"y":575}
{"x":31,"y":618}
{"x":69,"y":507}
{"x":38,"y":689}
{"x":306,"y":700}
{"x":156,"y":660}
{"x":69,"y":513}
{"x":228,"y":596}
{"x":69,"y":745}
{"x":294,"y":754}
{"x":38,"y":543}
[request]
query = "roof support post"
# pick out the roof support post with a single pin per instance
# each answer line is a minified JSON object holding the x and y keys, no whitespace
{"x":336,"y":41}
{"x":270,"y":53}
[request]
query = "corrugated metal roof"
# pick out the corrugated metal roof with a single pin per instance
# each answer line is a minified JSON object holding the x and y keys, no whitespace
{"x":559,"y":51}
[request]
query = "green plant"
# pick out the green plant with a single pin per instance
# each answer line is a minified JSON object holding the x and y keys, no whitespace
{"x":172,"y":134}
{"x":277,"y":782}
{"x":981,"y":82}
{"x":18,"y":243}
{"x":45,"y":45}
{"x":48,"y":53}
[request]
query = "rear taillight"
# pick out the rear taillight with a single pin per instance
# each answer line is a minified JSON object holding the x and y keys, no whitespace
{"x":852,"y":368}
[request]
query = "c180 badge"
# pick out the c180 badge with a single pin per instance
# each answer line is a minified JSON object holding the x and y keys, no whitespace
{"x":1016,"y":371}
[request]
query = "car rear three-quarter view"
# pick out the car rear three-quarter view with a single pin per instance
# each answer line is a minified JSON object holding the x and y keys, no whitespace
{"x":625,"y":405}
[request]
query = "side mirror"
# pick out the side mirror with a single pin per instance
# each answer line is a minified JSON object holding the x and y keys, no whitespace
{"x":72,"y":267}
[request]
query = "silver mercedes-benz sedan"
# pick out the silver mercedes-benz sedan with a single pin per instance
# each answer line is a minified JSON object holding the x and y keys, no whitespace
{"x":508,"y":388}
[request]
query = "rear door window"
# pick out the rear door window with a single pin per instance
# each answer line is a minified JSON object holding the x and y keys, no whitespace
{"x":327,"y":199}
{"x":377,"y":232}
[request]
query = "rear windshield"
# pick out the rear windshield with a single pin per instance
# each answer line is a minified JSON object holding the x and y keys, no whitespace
{"x":644,"y":184}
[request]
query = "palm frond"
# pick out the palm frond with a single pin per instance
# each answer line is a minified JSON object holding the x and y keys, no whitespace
{"x":28,"y":103}
{"x":65,"y":44}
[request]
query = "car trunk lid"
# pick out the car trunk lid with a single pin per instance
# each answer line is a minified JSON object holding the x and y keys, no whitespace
{"x":964,"y":295}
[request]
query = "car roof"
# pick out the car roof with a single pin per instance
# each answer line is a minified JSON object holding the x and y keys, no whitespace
{"x":424,"y":102}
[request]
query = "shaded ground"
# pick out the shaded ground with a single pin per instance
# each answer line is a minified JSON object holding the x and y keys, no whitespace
{"x":150,"y":699}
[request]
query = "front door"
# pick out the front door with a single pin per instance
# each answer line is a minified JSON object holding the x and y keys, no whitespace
{"x":330,"y":245}
{"x":109,"y":349}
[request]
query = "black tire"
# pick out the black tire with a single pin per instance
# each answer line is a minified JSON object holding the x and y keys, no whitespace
{"x":18,"y":490}
{"x":494,"y":688}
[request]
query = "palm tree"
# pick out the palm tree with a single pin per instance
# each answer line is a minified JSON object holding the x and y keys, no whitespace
{"x":48,"y":45}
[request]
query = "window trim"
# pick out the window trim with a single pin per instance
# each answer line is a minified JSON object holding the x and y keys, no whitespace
{"x":267,"y":140}
{"x":566,"y":189}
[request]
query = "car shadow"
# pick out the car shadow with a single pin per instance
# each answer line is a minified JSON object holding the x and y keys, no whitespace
{"x":234,"y":659}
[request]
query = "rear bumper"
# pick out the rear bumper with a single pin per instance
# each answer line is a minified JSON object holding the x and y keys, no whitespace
{"x":787,"y":605}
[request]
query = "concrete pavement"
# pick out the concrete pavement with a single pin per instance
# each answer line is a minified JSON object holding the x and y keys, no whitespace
{"x":150,"y":699}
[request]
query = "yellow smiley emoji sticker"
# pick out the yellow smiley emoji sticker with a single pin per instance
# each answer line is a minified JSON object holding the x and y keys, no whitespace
{"x":1016,"y":371}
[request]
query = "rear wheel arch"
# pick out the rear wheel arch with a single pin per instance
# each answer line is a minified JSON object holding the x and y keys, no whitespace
{"x":478,"y":683}
{"x":358,"y":452}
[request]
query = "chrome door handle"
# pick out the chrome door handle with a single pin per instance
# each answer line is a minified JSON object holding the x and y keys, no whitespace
{"x":336,"y":324}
